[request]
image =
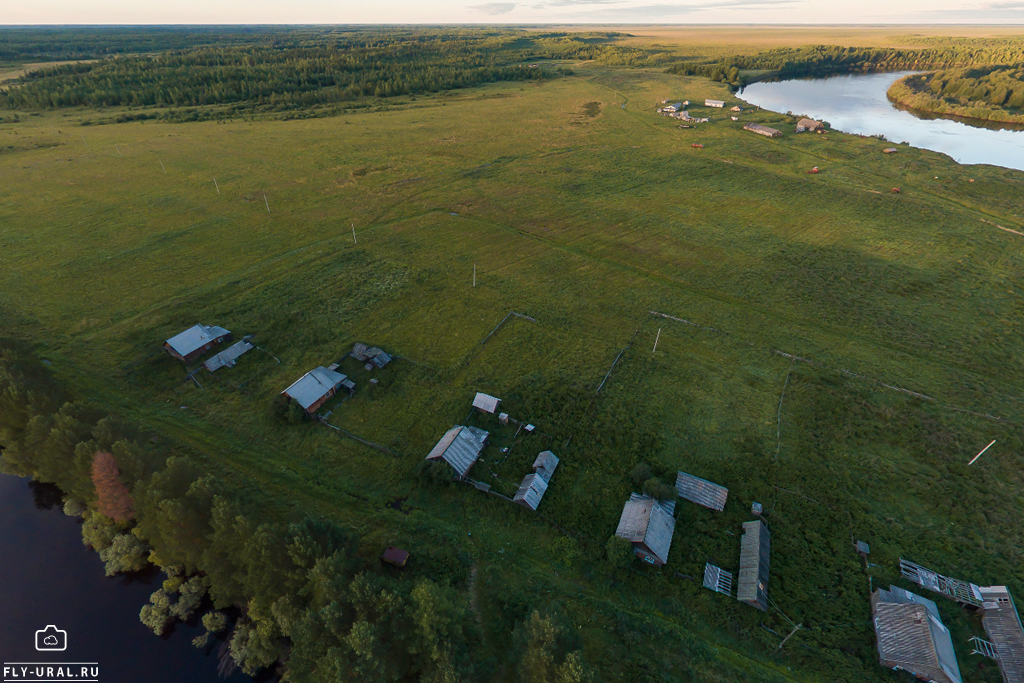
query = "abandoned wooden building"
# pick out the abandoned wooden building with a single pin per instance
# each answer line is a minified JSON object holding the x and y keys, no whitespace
{"x":314,"y":388}
{"x":763,"y":130}
{"x":755,"y":547}
{"x":370,"y":355}
{"x":228,"y":357}
{"x":395,"y":556}
{"x":460,"y":447}
{"x":912,"y":637}
{"x":963,"y":592}
{"x":701,"y":491}
{"x":648,"y":525}
{"x":737,"y":108}
{"x":717,"y":579}
{"x":535,"y":484}
{"x":485,"y":403}
{"x":809,"y":126}
{"x":1002,"y":624}
{"x":714,"y":103}
{"x":195,"y":341}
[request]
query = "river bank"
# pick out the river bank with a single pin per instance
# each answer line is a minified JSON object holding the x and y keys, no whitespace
{"x":911,"y":93}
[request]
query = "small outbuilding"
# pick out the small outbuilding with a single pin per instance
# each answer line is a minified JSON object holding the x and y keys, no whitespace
{"x":535,"y":484}
{"x":648,"y":525}
{"x":314,"y":388}
{"x":460,"y":447}
{"x":228,"y":357}
{"x":754,"y":561}
{"x":714,"y":103}
{"x":1003,"y":626}
{"x":736,"y":108}
{"x":195,"y":341}
{"x":809,"y":126}
{"x":370,"y":355}
{"x":763,"y":130}
{"x":912,"y":637}
{"x":890,"y":150}
{"x":485,"y":403}
{"x":701,"y":491}
{"x":395,"y":556}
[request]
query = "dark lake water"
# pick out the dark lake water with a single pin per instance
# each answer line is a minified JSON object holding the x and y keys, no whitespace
{"x":857,"y":104}
{"x":47,"y":576}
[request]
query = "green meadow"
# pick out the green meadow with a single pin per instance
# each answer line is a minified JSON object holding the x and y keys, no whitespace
{"x":583,"y":209}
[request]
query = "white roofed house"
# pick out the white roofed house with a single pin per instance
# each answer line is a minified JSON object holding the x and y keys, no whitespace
{"x":535,"y":484}
{"x":714,"y":103}
{"x":648,"y":525}
{"x":195,"y":341}
{"x":460,"y":447}
{"x":485,"y":403}
{"x":314,"y":388}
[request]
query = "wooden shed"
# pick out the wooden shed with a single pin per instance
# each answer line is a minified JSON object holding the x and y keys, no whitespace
{"x":227,"y":357}
{"x":809,"y":125}
{"x":763,"y":130}
{"x":485,"y":403}
{"x":714,"y":103}
{"x":912,"y":637}
{"x":535,"y":484}
{"x":701,"y":491}
{"x":195,"y":341}
{"x":460,"y":447}
{"x":648,"y":525}
{"x":754,"y":562}
{"x":1003,"y":626}
{"x":395,"y":556}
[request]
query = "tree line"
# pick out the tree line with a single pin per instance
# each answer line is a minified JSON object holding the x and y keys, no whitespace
{"x":992,"y":94}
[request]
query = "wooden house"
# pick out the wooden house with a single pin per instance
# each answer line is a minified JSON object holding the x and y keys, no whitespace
{"x":752,"y":585}
{"x":809,"y":126}
{"x":314,"y":388}
{"x":648,"y":525}
{"x":763,"y":130}
{"x":535,"y":484}
{"x":912,"y":637}
{"x":701,"y":491}
{"x":195,"y":341}
{"x":460,"y":447}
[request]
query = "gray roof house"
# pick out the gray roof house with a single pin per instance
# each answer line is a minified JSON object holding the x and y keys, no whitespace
{"x":314,"y":388}
{"x":648,"y":526}
{"x":535,"y":484}
{"x":1002,"y":624}
{"x":755,"y":547}
{"x":195,"y":341}
{"x":912,"y":637}
{"x":701,"y":491}
{"x":227,"y":357}
{"x":460,"y":447}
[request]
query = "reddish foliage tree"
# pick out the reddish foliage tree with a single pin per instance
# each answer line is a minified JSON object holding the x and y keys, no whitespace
{"x":114,"y":500}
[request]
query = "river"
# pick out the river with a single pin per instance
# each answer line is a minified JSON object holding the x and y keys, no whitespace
{"x":857,"y":104}
{"x":48,"y":577}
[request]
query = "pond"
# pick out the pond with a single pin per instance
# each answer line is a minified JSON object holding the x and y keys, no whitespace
{"x":48,"y":577}
{"x":857,"y":104}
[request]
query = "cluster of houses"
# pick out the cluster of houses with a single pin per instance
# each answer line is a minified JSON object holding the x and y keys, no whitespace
{"x":310,"y":391}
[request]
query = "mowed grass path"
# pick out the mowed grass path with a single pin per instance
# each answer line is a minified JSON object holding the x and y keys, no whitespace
{"x":585,"y":222}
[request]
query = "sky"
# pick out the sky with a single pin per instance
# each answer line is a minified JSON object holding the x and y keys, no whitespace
{"x":501,"y":12}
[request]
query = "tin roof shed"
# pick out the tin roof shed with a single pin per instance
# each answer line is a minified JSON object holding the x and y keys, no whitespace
{"x":486,"y":403}
{"x":228,"y":356}
{"x":545,"y":465}
{"x":701,"y":491}
{"x":196,"y":337}
{"x":312,"y":387}
{"x":460,"y":447}
{"x":648,"y":526}
{"x":531,"y":491}
{"x":754,"y":559}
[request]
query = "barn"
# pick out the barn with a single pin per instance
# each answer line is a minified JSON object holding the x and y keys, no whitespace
{"x":648,"y":525}
{"x":314,"y":388}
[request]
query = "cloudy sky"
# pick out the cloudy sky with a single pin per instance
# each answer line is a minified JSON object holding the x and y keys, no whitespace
{"x":530,"y":11}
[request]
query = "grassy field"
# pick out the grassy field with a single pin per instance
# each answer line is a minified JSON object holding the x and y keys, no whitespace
{"x":585,"y":215}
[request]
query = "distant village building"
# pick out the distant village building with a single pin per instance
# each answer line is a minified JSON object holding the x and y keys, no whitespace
{"x":912,"y":637}
{"x":714,"y":103}
{"x":754,"y":561}
{"x":370,"y":355}
{"x":890,"y":150}
{"x":763,"y":130}
{"x":195,"y":341}
{"x":672,"y":107}
{"x":395,"y":556}
{"x":809,"y":125}
{"x":485,"y":403}
{"x":648,"y":525}
{"x":1002,"y":624}
{"x":314,"y":388}
{"x":736,"y":109}
{"x":535,"y":484}
{"x":460,"y":447}
{"x":701,"y":491}
{"x":227,"y":357}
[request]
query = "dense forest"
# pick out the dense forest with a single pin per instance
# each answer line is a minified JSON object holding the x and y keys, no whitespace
{"x":825,"y":60}
{"x":992,"y":94}
{"x":283,"y":588}
{"x":294,"y":73}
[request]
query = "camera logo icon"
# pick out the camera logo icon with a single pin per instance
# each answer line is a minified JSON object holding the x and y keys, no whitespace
{"x":51,"y":639}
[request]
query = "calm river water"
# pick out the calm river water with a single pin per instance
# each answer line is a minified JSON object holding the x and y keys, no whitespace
{"x":48,"y":577}
{"x":857,"y":104}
